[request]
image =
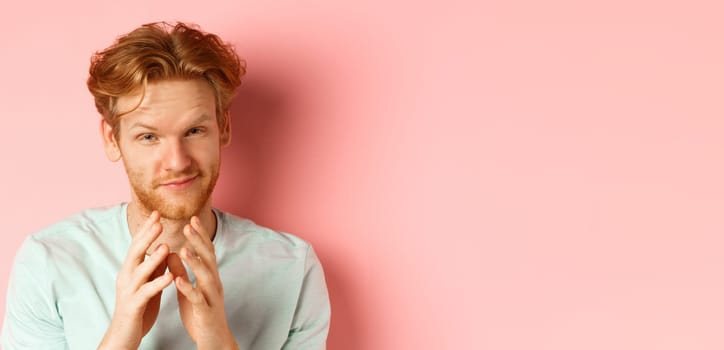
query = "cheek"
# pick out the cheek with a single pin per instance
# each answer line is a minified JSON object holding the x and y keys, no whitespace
{"x":206,"y":154}
{"x":141,"y":168}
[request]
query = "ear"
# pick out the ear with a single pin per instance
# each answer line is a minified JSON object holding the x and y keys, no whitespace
{"x":225,"y":132}
{"x":113,"y":152}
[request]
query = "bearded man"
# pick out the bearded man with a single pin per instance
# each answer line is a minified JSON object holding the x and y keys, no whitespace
{"x":165,"y":270}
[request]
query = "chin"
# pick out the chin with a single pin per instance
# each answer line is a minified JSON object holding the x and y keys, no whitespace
{"x":172,"y":209}
{"x":180,"y":212}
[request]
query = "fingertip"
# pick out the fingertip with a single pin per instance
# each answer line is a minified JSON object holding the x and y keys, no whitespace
{"x":195,"y":222}
{"x":167,"y":280}
{"x":180,"y":284}
{"x":186,"y":252}
{"x":163,"y":249}
{"x":163,"y":280}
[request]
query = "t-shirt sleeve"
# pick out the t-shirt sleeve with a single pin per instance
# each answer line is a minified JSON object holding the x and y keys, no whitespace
{"x":31,"y":318}
{"x":310,"y":325}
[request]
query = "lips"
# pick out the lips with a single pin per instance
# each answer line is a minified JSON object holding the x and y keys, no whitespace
{"x":179,"y":183}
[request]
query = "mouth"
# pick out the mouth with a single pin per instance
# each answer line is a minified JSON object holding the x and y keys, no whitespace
{"x":178,"y":184}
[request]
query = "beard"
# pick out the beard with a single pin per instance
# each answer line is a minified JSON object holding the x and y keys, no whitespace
{"x":178,"y":206}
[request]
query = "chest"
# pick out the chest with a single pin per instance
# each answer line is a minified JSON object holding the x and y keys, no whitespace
{"x":259,"y":304}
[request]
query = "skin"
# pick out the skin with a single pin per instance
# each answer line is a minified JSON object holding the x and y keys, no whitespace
{"x":170,"y":147}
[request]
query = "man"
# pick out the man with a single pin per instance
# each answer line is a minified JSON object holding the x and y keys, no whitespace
{"x":166,"y":270}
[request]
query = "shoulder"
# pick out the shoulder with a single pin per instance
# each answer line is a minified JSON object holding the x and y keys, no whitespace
{"x":85,"y":220}
{"x":241,"y":233}
{"x":72,"y":234}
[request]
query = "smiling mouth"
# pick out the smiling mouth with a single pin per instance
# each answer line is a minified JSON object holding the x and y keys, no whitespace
{"x":179,"y":183}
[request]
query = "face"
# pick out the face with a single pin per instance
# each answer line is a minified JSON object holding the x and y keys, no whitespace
{"x":170,"y":146}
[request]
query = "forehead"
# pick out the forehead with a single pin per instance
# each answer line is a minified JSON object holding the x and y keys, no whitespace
{"x":176,"y":98}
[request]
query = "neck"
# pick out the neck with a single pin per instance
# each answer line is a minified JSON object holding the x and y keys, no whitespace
{"x":172,"y":232}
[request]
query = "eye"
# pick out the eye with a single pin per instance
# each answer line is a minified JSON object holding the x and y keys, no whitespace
{"x":195,"y":131}
{"x":147,"y":137}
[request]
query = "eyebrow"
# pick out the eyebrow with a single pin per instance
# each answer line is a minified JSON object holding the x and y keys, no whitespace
{"x":204,"y":117}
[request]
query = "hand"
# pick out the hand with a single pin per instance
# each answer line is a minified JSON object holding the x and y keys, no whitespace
{"x":138,"y":289}
{"x":201,"y":307}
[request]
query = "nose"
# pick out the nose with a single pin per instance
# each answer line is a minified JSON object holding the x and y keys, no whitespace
{"x":176,"y":157}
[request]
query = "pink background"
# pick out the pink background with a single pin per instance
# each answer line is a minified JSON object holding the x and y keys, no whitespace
{"x":473,"y":175}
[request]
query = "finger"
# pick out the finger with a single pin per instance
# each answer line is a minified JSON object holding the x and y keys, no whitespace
{"x":192,"y":294}
{"x":160,"y":269}
{"x":176,"y":266}
{"x":153,"y":218}
{"x":153,"y":265}
{"x":143,"y":239}
{"x":201,"y":244}
{"x":150,"y":289}
{"x":196,"y":225}
{"x":205,"y":279}
{"x":136,"y":253}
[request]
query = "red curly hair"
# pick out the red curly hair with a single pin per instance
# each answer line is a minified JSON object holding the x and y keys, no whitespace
{"x":161,"y":51}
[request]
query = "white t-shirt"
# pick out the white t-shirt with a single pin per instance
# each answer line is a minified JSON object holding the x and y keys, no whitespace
{"x":61,"y":292}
